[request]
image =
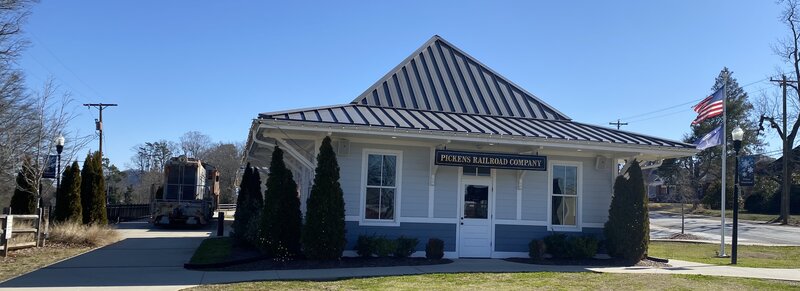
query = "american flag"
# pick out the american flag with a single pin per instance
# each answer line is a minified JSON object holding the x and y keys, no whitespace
{"x":711,"y":106}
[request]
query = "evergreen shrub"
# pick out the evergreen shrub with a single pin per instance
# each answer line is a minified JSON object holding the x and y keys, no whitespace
{"x":405,"y":246}
{"x":627,"y":230}
{"x":557,"y":245}
{"x":26,"y":192}
{"x":281,"y":220}
{"x":536,"y":249}
{"x":68,"y":199}
{"x":434,"y":250}
{"x":365,"y":246}
{"x":324,"y":229}
{"x":581,"y":247}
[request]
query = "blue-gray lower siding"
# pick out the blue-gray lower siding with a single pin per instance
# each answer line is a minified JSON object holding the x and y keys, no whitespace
{"x":420,"y":231}
{"x":515,"y":238}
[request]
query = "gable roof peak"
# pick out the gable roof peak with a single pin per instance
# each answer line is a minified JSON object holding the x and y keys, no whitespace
{"x":441,"y":77}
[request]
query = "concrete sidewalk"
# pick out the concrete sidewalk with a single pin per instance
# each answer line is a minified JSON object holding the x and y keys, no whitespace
{"x":692,"y":268}
{"x":153,"y":260}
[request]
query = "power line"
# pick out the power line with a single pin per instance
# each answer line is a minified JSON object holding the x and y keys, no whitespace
{"x":65,"y":66}
{"x":682,"y":104}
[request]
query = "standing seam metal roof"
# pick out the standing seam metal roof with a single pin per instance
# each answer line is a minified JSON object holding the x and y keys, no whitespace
{"x":469,"y":123}
{"x":450,"y":80}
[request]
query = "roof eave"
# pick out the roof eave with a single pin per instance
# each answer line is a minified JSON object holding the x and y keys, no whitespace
{"x":661,"y":151}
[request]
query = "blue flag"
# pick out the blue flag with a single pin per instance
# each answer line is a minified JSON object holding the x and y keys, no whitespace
{"x":713,"y":138}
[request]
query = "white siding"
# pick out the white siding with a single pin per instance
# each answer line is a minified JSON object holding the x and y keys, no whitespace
{"x":445,"y":198}
{"x":506,"y":194}
{"x":534,"y":196}
{"x":596,"y":191}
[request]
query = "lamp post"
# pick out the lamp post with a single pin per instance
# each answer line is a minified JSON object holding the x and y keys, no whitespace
{"x":59,"y":148}
{"x":737,"y":134}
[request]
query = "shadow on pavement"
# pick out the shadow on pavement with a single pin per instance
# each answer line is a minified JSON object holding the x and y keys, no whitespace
{"x":153,"y":260}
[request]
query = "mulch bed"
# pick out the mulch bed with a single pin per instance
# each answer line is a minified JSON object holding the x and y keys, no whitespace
{"x":345,"y":262}
{"x":648,"y":262}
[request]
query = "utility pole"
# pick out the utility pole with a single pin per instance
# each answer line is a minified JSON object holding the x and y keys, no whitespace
{"x":787,"y":149}
{"x":618,"y":123}
{"x":99,"y":123}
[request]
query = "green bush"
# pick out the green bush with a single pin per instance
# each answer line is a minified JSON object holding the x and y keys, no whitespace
{"x":324,"y":230}
{"x":557,"y":245}
{"x":627,"y":230}
{"x":93,"y":190}
{"x":434,"y":250}
{"x":68,"y":199}
{"x":384,"y":246}
{"x":405,"y":246}
{"x":582,"y":247}
{"x":281,"y":220}
{"x":24,"y":199}
{"x":537,"y":249}
{"x":365,"y":246}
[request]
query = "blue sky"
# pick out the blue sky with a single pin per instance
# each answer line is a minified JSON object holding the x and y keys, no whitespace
{"x":212,"y":66}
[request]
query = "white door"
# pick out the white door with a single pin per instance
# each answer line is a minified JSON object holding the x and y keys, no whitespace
{"x":475,"y":227}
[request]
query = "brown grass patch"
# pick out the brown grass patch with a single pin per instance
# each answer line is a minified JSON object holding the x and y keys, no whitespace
{"x":72,"y":233}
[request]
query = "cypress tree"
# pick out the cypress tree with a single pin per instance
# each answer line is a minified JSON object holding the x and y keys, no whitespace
{"x":256,"y":204}
{"x":281,"y":218}
{"x":242,"y":216}
{"x":93,"y":195}
{"x":68,"y":199}
{"x":324,"y":230}
{"x":25,"y":194}
{"x":627,"y":230}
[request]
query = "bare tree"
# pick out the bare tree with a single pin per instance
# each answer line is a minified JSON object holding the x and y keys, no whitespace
{"x":194,"y":144}
{"x":226,"y":157}
{"x":789,"y":50}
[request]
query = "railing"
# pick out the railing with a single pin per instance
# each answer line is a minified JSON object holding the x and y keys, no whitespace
{"x":8,"y":231}
{"x":226,"y":207}
{"x":123,"y":212}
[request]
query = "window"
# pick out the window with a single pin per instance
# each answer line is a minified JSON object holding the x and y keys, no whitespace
{"x":476,"y":171}
{"x":564,"y":195}
{"x":381,"y":189}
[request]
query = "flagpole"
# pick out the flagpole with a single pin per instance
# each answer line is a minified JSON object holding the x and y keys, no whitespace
{"x":724,"y":159}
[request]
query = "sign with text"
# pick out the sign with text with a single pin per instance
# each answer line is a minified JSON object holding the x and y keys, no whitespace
{"x":50,"y":169}
{"x":491,"y":160}
{"x":747,"y":166}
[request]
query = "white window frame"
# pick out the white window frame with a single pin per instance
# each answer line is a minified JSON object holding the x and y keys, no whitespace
{"x":397,"y":193}
{"x":579,"y":201}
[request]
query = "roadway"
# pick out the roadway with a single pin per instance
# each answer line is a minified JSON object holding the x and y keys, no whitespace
{"x":663,"y":224}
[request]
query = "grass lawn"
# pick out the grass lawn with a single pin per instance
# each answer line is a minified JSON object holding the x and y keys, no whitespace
{"x":23,"y":261}
{"x":749,"y":256}
{"x":520,"y":281}
{"x":743,"y":214}
{"x":213,"y":250}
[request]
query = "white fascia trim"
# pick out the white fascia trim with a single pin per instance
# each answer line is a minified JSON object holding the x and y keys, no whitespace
{"x":662,"y":152}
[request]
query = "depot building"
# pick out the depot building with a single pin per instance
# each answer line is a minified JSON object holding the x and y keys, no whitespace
{"x":444,"y":147}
